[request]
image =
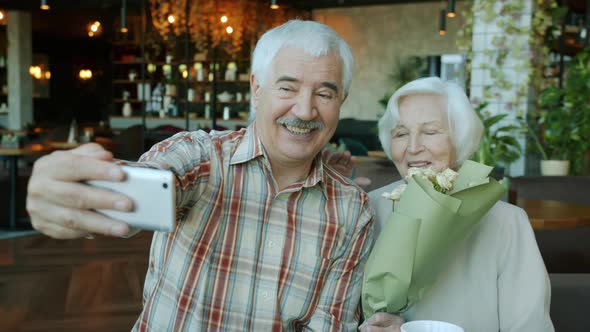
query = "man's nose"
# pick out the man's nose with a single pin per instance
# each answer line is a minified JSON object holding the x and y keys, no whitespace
{"x":305,"y":108}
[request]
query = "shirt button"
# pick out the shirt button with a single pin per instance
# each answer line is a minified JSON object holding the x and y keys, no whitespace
{"x":271,"y":244}
{"x":265,"y":294}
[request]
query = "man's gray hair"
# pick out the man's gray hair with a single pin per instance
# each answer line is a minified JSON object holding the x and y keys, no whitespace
{"x":465,"y":126}
{"x":316,"y":39}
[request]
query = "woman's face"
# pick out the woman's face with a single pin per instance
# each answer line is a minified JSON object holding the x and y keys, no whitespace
{"x":422,"y":137}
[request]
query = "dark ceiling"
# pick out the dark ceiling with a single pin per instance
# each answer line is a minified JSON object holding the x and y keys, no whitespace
{"x":69,"y":5}
{"x":66,"y":17}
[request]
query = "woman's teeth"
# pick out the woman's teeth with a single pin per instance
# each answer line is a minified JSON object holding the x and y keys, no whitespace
{"x":298,"y":130}
{"x":419,"y":164}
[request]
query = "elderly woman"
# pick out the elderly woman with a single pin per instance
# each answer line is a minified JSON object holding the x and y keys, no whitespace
{"x":496,"y":280}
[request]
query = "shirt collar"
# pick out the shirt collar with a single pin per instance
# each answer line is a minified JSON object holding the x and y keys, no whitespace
{"x":251,"y":148}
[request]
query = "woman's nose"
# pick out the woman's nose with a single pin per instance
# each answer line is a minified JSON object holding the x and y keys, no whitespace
{"x":415,"y":144}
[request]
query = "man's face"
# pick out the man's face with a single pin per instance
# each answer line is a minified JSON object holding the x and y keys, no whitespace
{"x":298,"y":107}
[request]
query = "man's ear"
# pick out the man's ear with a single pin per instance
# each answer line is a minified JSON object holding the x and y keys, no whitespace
{"x":254,"y":91}
{"x":344,"y":99}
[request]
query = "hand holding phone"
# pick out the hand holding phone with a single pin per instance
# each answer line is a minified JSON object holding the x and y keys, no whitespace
{"x":153,"y":194}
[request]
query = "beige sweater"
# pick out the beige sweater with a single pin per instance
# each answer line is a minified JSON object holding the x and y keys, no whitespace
{"x":496,"y":281}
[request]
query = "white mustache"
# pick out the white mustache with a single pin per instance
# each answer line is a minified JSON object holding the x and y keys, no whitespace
{"x":301,"y":123}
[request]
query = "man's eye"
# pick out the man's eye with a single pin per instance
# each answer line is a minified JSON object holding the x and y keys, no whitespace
{"x":327,"y":96}
{"x":283,"y":88}
{"x":400,"y":134}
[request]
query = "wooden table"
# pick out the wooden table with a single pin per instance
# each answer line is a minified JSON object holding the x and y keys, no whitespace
{"x":546,"y":215}
{"x":59,"y":145}
{"x":12,"y":155}
{"x":379,"y":154}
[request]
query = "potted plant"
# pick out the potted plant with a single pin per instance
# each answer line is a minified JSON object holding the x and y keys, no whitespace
{"x":498,"y":146}
{"x":564,"y":118}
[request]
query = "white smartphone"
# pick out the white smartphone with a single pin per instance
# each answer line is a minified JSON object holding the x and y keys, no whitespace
{"x":153,"y":194}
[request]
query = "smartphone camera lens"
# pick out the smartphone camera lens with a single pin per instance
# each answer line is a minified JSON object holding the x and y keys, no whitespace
{"x":165,"y":185}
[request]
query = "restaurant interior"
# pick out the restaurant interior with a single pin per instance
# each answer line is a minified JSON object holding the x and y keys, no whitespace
{"x":127,"y":74}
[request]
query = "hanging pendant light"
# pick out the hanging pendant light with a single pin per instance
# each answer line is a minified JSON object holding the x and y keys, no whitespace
{"x":273,"y":4}
{"x":124,"y":17}
{"x":442,"y":22}
{"x":44,"y":5}
{"x":451,"y":9}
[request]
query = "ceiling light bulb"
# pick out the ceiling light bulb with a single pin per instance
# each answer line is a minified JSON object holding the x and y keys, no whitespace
{"x":123,"y":28}
{"x":229,"y":30}
{"x":451,"y":9}
{"x":1,"y":15}
{"x":442,"y":22}
{"x":171,"y":19}
{"x":223,"y":19}
{"x":44,"y":5}
{"x":274,"y":5}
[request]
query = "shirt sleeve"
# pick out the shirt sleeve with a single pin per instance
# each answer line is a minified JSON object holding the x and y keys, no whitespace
{"x":188,"y":156}
{"x":339,"y":298}
{"x":524,"y":290}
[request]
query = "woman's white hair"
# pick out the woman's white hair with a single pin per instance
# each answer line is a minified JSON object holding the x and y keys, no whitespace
{"x":316,"y":39}
{"x":465,"y":126}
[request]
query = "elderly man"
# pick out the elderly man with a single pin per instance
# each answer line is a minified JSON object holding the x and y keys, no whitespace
{"x":268,"y":236}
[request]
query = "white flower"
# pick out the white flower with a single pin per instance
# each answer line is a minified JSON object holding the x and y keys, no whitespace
{"x":411,"y":172}
{"x":396,"y":193}
{"x":426,"y":173}
{"x":444,"y":182}
{"x":446,"y":178}
{"x":429,"y":173}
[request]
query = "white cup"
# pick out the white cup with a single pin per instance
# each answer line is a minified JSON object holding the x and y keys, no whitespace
{"x":430,"y":326}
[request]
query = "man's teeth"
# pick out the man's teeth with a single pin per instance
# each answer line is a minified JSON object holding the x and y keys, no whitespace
{"x":298,"y":130}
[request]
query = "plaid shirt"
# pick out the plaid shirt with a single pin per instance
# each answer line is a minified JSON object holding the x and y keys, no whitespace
{"x":247,"y":257}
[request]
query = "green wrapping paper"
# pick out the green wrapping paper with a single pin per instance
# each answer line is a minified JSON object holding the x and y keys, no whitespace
{"x":420,"y":235}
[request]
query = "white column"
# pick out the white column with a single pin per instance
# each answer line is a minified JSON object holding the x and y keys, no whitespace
{"x":20,"y":84}
{"x":483,"y":85}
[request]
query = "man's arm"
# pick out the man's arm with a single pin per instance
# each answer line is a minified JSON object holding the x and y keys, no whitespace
{"x":336,"y":309}
{"x":344,"y":163}
{"x":62,"y":207}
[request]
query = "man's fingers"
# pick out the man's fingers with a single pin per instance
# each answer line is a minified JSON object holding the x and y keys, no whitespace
{"x":363,"y":181}
{"x":342,"y":158}
{"x":70,"y":166}
{"x":77,"y":223}
{"x":83,"y":196}
{"x":56,"y":231}
{"x":91,"y":150}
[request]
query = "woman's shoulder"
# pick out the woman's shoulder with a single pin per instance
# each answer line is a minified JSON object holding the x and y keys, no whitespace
{"x":505,"y":221}
{"x":503,"y":212}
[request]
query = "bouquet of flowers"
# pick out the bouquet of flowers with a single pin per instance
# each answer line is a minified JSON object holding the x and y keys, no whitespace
{"x":431,"y":214}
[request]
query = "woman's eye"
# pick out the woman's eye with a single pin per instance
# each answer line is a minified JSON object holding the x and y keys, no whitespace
{"x":430,"y":132}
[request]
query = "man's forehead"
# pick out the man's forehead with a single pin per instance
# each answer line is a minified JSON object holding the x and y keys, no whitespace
{"x":299,"y":65}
